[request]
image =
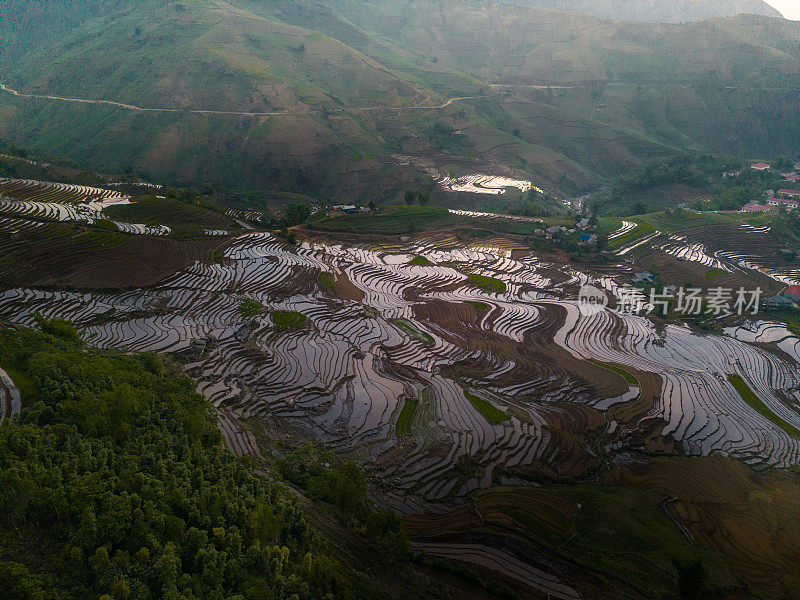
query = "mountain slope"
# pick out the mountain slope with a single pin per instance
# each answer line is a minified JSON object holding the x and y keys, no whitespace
{"x":337,"y":90}
{"x":723,"y":85}
{"x":656,"y":11}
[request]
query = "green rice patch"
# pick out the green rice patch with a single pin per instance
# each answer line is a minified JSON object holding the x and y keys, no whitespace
{"x":479,"y":306}
{"x":286,"y":319}
{"x":758,"y":405}
{"x":411,"y":330}
{"x":403,"y":426}
{"x":630,"y":379}
{"x":489,"y":284}
{"x":487,"y":409}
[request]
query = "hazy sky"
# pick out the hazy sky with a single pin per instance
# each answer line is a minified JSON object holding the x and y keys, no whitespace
{"x":789,"y":8}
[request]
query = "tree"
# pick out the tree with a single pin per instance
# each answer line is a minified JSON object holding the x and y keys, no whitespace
{"x":163,"y":511}
{"x":19,"y":583}
{"x":783,"y":164}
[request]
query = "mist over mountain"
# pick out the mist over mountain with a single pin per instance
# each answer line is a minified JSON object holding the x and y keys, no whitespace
{"x":656,"y":11}
{"x":327,"y":98}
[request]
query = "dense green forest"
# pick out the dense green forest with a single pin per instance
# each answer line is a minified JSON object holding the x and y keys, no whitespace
{"x":114,"y":485}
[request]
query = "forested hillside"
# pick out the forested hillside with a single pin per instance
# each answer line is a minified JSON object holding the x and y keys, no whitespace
{"x":115,"y":485}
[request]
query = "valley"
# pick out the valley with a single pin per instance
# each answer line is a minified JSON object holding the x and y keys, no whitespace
{"x":399,"y":300}
{"x":443,"y":361}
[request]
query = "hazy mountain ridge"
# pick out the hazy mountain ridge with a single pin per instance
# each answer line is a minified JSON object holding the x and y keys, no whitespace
{"x":656,"y":11}
{"x":349,"y":81}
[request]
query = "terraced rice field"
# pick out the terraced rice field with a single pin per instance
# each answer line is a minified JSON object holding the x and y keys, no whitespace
{"x":180,"y":216}
{"x":69,"y":254}
{"x":65,"y":193}
{"x":485,"y":184}
{"x":510,"y":387}
{"x":157,"y":216}
{"x":41,"y":200}
{"x":708,"y":240}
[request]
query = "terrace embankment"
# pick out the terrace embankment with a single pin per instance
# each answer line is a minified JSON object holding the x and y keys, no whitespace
{"x":76,"y":256}
{"x":615,"y":540}
{"x":752,"y":518}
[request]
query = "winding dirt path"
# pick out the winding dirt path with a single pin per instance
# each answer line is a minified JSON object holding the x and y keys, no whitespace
{"x":133,"y":107}
{"x":195,"y":111}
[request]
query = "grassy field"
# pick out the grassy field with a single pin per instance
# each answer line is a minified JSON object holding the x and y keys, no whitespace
{"x":181,"y":217}
{"x":755,"y":402}
{"x":630,"y":379}
{"x":715,"y":273}
{"x":683,"y":220}
{"x":403,"y":426}
{"x":608,"y":225}
{"x":642,"y":228}
{"x":391,"y":220}
{"x":286,"y":319}
{"x":325,"y":280}
{"x":487,"y":409}
{"x":489,"y":284}
{"x":479,"y":306}
{"x":419,"y":261}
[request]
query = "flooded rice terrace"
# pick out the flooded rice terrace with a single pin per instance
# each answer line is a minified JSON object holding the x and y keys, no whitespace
{"x":497,"y":368}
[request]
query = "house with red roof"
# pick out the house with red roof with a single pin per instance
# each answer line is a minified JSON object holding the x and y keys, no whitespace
{"x":782,"y":202}
{"x":793,"y":176}
{"x":760,"y":166}
{"x":750,"y":207}
{"x":789,"y":193}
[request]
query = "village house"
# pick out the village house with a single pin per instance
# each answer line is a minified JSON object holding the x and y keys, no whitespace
{"x":792,"y":293}
{"x":643,"y":277}
{"x":782,"y":202}
{"x":753,"y":208}
{"x":347,"y":208}
{"x":760,"y":166}
{"x":776,"y":303}
{"x":728,"y":174}
{"x":789,"y":194}
{"x":793,"y":176}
